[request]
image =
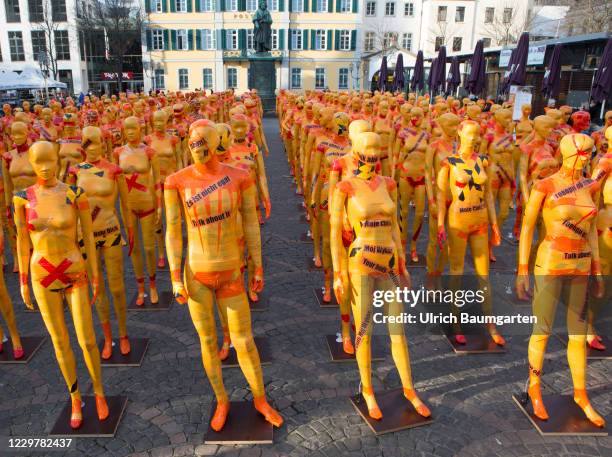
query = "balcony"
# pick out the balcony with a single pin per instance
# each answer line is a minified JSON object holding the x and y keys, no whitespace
{"x":236,"y":55}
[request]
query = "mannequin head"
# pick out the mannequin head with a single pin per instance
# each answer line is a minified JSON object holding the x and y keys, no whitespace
{"x":608,"y":118}
{"x":526,"y":110}
{"x":131,"y":129}
{"x":26,"y":106}
{"x":469,"y":134}
{"x":581,"y":120}
{"x":383,"y":108}
{"x":366,"y":148}
{"x":416,"y":117}
{"x":316,"y":110}
{"x":405,"y":111}
{"x":160,"y":121}
{"x":327,"y":114}
{"x":544,"y":126}
{"x":6,"y":109}
{"x":308,"y":109}
{"x":299,"y":103}
{"x":21,"y":116}
{"x":473,"y":112}
{"x":449,"y":124}
{"x":91,"y":117}
{"x":503,"y":118}
{"x":441,"y":108}
{"x":340,"y":124}
{"x":45,"y":115}
{"x":92,"y":144}
{"x":203,"y":141}
{"x":368,"y":106}
{"x":357,"y":127}
{"x":576,"y":150}
{"x":43,"y":158}
{"x":609,"y":136}
{"x":566,"y":112}
{"x":70,"y":121}
{"x":356,"y":104}
{"x":19,"y":133}
{"x":555,"y":115}
{"x":239,"y":125}
{"x":223,"y":130}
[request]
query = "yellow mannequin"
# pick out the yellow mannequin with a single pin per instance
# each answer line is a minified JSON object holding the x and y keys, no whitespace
{"x":568,"y":254}
{"x":209,"y":194}
{"x":367,"y":198}
{"x":69,"y":146}
{"x":382,"y":126}
{"x":46,"y":215}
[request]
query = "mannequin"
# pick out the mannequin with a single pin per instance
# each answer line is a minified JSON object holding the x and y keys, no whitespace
{"x":382,"y":126}
{"x":209,"y":194}
{"x":367,"y":199}
{"x":69,"y":146}
{"x":400,"y":130}
{"x":45,"y":127}
{"x":46,"y":215}
{"x":567,"y":255}
{"x":170,"y":159}
{"x":464,"y":177}
{"x":599,"y":136}
{"x":141,"y":167}
{"x":113,"y":130}
{"x":298,"y":117}
{"x":103,"y":183}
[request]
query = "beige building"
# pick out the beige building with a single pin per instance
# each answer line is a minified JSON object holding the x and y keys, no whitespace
{"x":205,"y":44}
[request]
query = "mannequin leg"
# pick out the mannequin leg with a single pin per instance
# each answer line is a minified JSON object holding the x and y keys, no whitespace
{"x":315,"y":227}
{"x":405,"y":194}
{"x":457,"y":246}
{"x":327,"y":261}
{"x":113,"y":258}
{"x":417,"y":223}
{"x":137,"y":263}
{"x":147,"y":224}
{"x":6,"y":308}
{"x":161,"y":239}
{"x":345,"y":316}
{"x":103,"y":308}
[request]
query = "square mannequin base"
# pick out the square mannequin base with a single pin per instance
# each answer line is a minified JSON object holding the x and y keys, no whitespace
{"x":92,"y":427}
{"x":304,"y":238}
{"x":420,"y":264}
{"x":303,"y":219}
{"x":477,"y":343}
{"x":30,"y":345}
{"x":318,"y":293}
{"x":263,"y":347}
{"x":310,"y":266}
{"x":566,"y":417}
{"x":337,"y":353}
{"x":138,"y":349}
{"x":398,"y":413}
{"x":244,"y":425}
{"x":164,"y":303}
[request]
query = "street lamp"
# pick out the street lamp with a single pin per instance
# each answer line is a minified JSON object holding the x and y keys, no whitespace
{"x":43,"y":63}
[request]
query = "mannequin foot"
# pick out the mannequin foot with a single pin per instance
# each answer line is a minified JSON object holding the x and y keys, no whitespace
{"x":15,"y":268}
{"x":347,"y":345}
{"x":218,"y":420}
{"x":140,"y":299}
{"x":326,"y":294}
{"x":492,"y":257}
{"x":224,"y":351}
{"x":161,"y":262}
{"x":414,"y":257}
{"x":124,"y":345}
{"x":101,"y":407}
{"x":373,"y":410}
{"x":253,"y":296}
{"x":499,"y":340}
{"x":594,"y":342}
{"x":420,"y":407}
{"x":460,"y":339}
{"x":269,"y":413}
{"x":317,"y":261}
{"x":18,"y":353}
{"x":76,"y":417}
{"x":535,"y":394}
{"x":154,"y":296}
{"x":1,"y":349}
{"x":581,"y":399}
{"x":107,"y":350}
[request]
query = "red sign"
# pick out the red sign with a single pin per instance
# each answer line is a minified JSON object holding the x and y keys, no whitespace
{"x":110,"y":76}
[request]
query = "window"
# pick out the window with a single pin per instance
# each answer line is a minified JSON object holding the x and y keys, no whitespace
{"x":321,"y":40}
{"x":232,"y":78}
{"x":457,"y":41}
{"x":296,"y":78}
{"x":371,"y":9}
{"x":298,"y":6}
{"x":182,"y":43}
{"x":160,"y":80}
{"x":251,"y":5}
{"x":58,"y":7}
{"x":439,"y":42}
{"x":390,"y":9}
{"x":232,"y":39}
{"x":35,"y":8}
{"x":460,"y":14}
{"x":275,"y":39}
{"x":345,"y":6}
{"x":345,"y":40}
{"x":159,"y":6}
{"x":183,"y":75}
{"x":208,"y":5}
{"x":296,"y":40}
{"x":486,"y":42}
{"x":319,"y":78}
{"x":489,"y":15}
{"x":409,"y":9}
{"x":389,"y":39}
{"x":442,"y":13}
{"x":62,"y":45}
{"x":16,"y":45}
{"x":208,"y":40}
{"x":181,"y":7}
{"x":343,"y":77}
{"x":507,"y":15}
{"x":368,"y":43}
{"x":12,"y":10}
{"x":207,"y":81}
{"x":157,"y":40}
{"x":322,"y":5}
{"x":39,"y":43}
{"x":273,"y":5}
{"x":407,"y":41}
{"x":250,"y":44}
{"x":232,"y":5}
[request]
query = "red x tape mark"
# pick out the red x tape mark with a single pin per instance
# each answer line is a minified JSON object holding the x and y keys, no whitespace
{"x":55,"y":273}
{"x":132,"y":183}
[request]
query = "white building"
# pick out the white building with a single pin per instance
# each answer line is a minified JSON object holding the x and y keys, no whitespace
{"x":22,"y":38}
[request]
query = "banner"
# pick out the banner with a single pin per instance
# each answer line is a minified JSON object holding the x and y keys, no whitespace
{"x":111,"y":76}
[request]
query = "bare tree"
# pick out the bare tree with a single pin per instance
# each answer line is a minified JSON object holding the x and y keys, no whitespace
{"x":120,"y":21}
{"x":383,"y":39}
{"x":508,"y":23}
{"x":588,"y":16}
{"x":441,"y":33}
{"x":46,"y":23}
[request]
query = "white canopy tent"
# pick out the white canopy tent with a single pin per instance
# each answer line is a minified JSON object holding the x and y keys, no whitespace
{"x":29,"y":78}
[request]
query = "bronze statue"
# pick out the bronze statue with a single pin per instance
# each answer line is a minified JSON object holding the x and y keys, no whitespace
{"x":262,"y":36}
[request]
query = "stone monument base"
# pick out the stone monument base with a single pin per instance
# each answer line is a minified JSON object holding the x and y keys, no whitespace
{"x":262,"y":76}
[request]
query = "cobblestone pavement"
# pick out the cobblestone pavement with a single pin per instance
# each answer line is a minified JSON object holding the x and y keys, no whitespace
{"x":170,"y":398}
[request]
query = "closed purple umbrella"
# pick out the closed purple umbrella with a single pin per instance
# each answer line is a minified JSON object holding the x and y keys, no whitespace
{"x":454,"y":77}
{"x":552,"y":78}
{"x":440,"y":72}
{"x":519,"y":66}
{"x":602,"y":83}
{"x":382,"y":75}
{"x":417,"y":81}
{"x":432,"y":74}
{"x":398,"y":76}
{"x":475,"y":81}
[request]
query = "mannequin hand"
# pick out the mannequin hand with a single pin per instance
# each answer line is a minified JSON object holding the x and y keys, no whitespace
{"x":158,"y":217}
{"x":268,"y":207}
{"x":257,"y":283}
{"x":179,"y":292}
{"x":25,"y":294}
{"x":441,"y":237}
{"x":340,"y":286}
{"x":495,"y":235}
{"x":433,"y":210}
{"x":404,"y":274}
{"x":522,"y":287}
{"x":95,"y":288}
{"x":599,"y":286}
{"x":130,"y":231}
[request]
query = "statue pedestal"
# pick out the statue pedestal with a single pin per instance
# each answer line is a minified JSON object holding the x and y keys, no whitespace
{"x":262,"y":76}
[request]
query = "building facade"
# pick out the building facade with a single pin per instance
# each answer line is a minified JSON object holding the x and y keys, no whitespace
{"x":205,"y":44}
{"x":32,"y":26}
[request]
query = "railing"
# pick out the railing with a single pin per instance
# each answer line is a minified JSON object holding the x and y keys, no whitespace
{"x":243,"y":54}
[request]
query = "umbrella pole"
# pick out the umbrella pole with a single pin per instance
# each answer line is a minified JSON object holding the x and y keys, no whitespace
{"x":603,"y":109}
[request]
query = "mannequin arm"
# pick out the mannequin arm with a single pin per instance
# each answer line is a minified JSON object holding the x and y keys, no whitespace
{"x":337,"y":248}
{"x":8,"y":186}
{"x":490,"y":202}
{"x":307,"y":153}
{"x":442,"y":182}
{"x":314,"y":183}
{"x":250,"y":225}
{"x":178,"y":156}
{"x":84,"y":214}
{"x":174,"y":241}
{"x":397,"y":239}
{"x":24,"y":249}
{"x":126,"y":214}
{"x":523,"y":171}
{"x":429,"y":189}
{"x":262,"y":183}
{"x":157,"y":187}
